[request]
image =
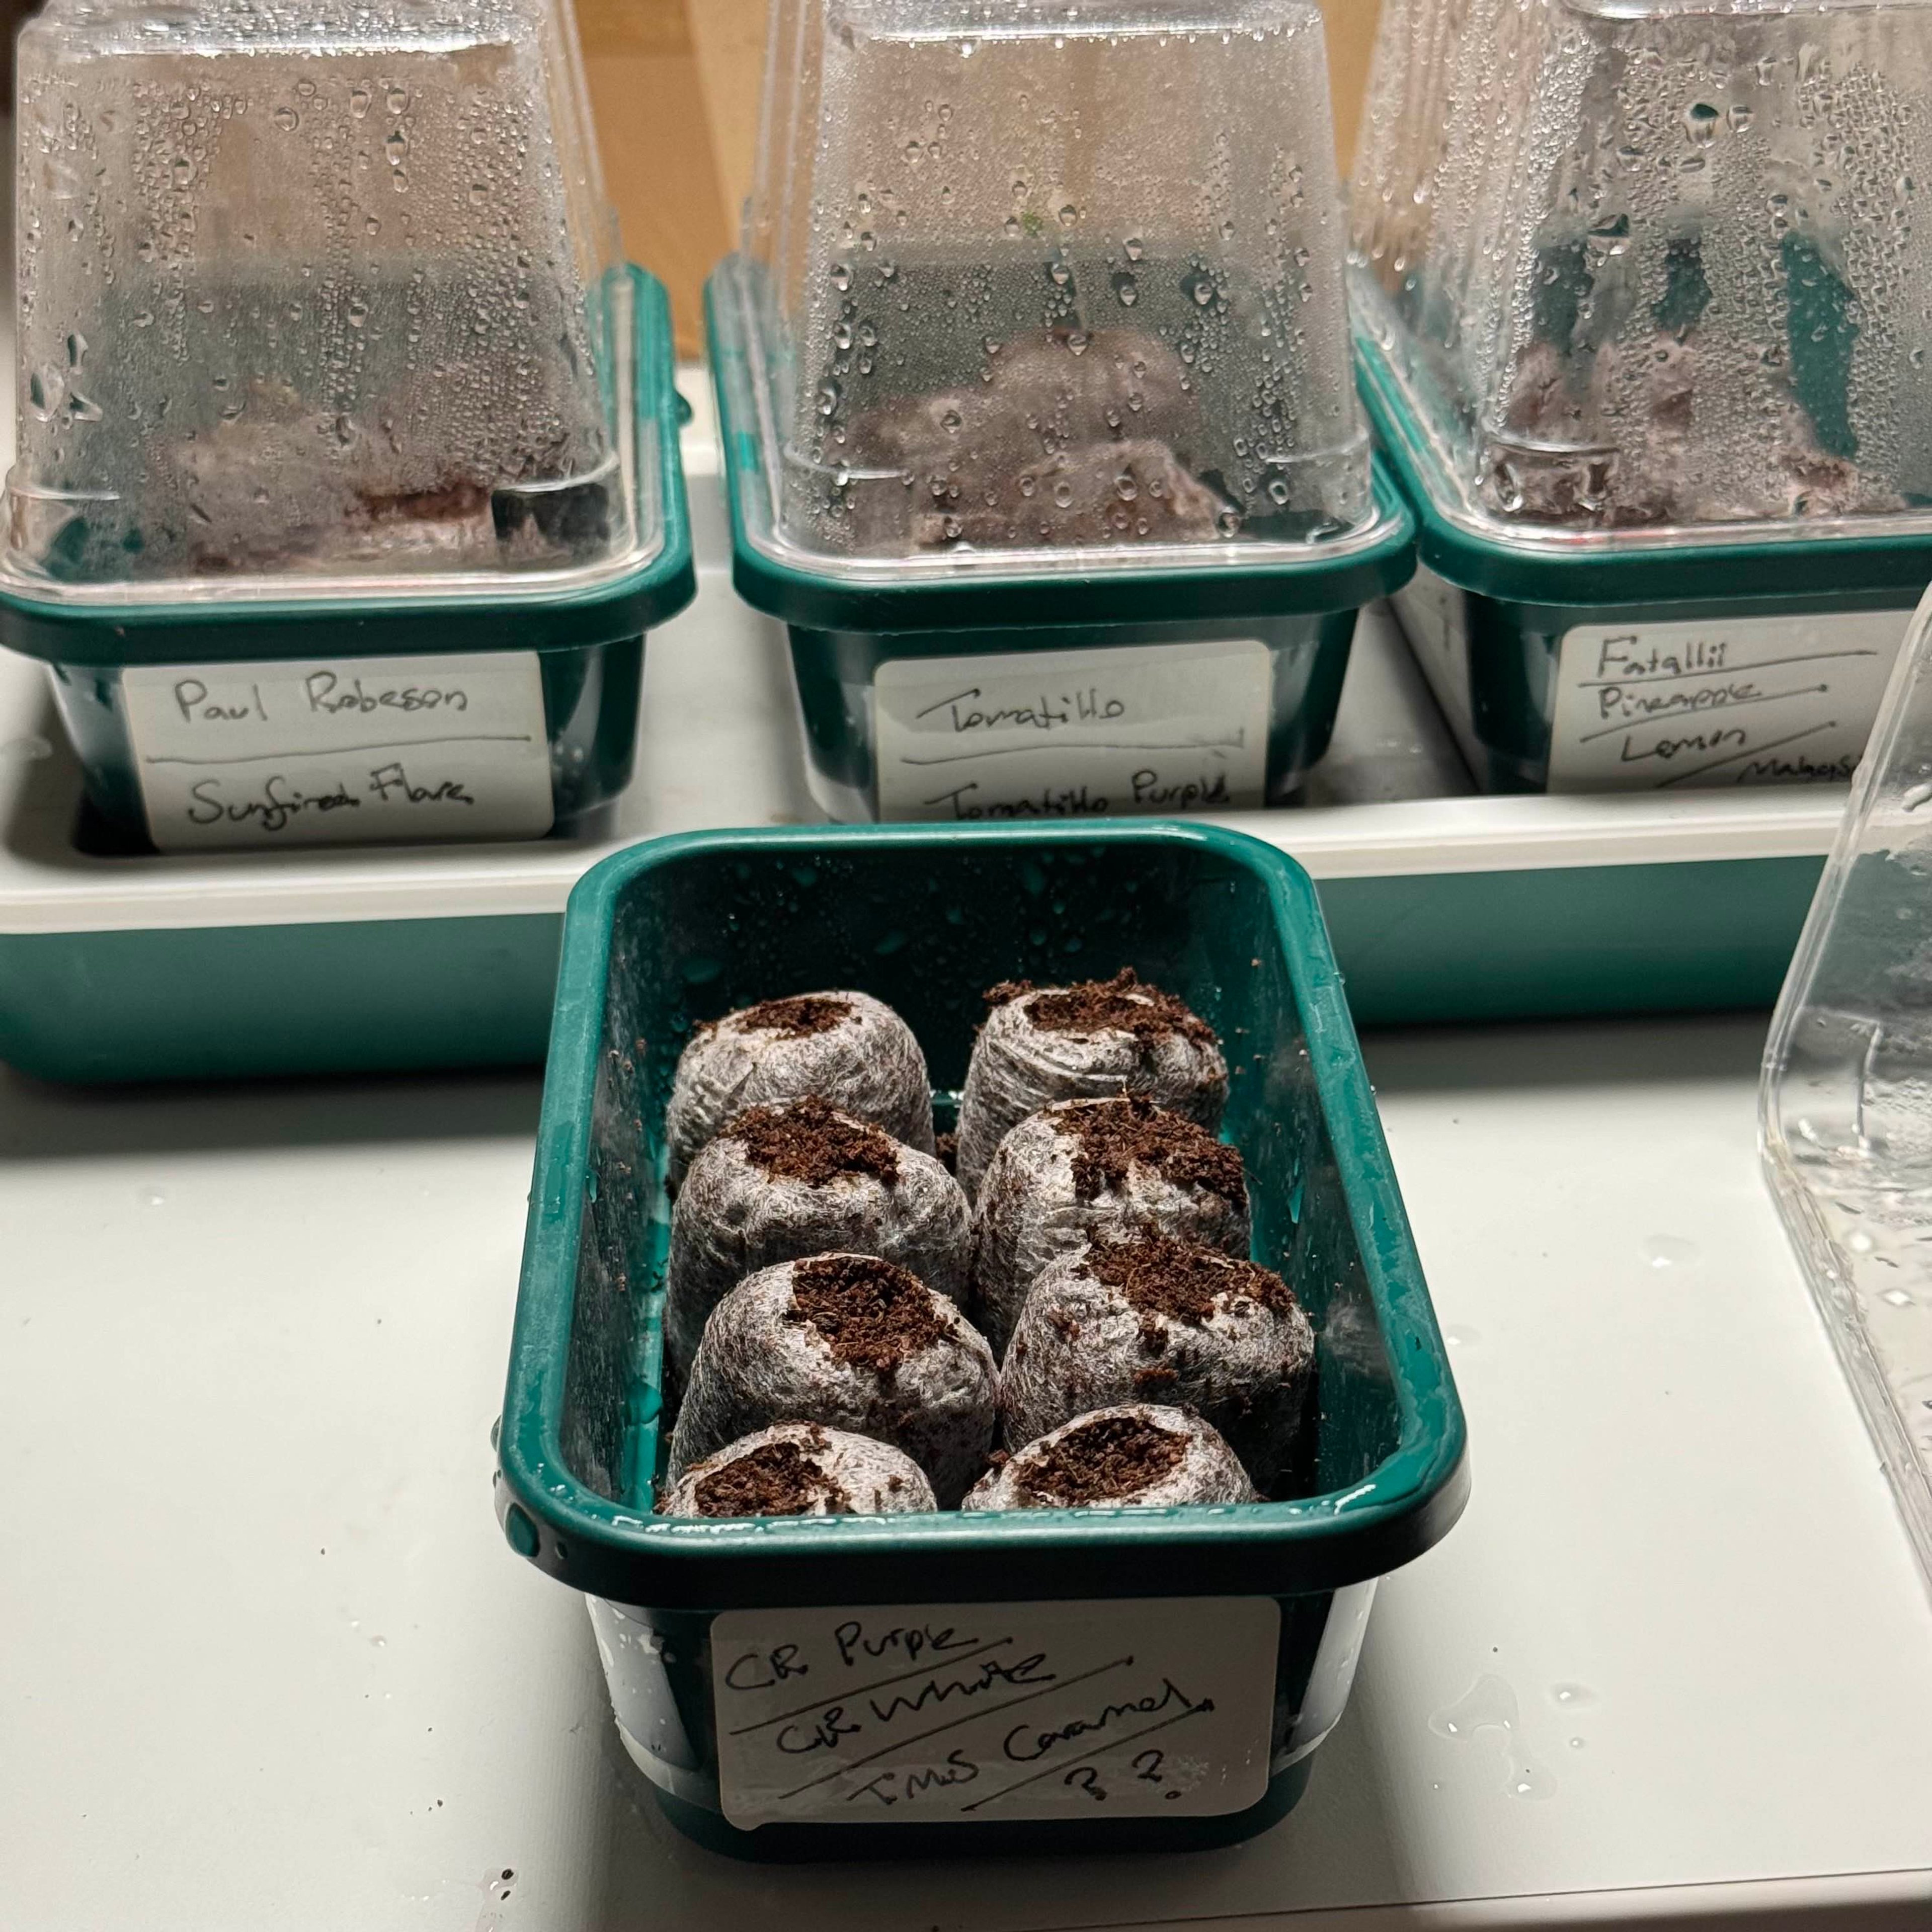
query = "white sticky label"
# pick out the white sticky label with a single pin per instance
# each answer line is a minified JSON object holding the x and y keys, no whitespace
{"x":355,"y":751}
{"x":1159,"y":1707}
{"x":1746,"y":701}
{"x":1160,"y":728}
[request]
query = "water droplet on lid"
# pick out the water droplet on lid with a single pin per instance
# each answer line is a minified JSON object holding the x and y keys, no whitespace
{"x":1126,"y":290}
{"x":397,"y":148}
{"x":399,"y":100}
{"x":1063,"y":494}
{"x":1077,"y":341}
{"x":1896,"y":1298}
{"x":1278,"y":491}
{"x":1068,"y":215}
{"x":842,"y":276}
{"x":1135,"y":247}
{"x":1700,"y":122}
{"x":358,"y":101}
{"x":950,"y":422}
{"x":286,"y":118}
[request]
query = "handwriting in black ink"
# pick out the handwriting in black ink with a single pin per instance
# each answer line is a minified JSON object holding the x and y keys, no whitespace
{"x":991,"y":1672}
{"x":275,"y":806}
{"x":326,"y":693}
{"x":756,"y":1671}
{"x":795,"y":1740}
{"x":890,"y":1786}
{"x":1025,"y":1747}
{"x":393,"y":786}
{"x":911,"y":1641}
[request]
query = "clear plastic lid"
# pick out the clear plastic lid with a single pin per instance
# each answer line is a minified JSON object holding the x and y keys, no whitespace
{"x":1047,"y":286}
{"x":316,"y":301}
{"x":1847,"y":1102}
{"x":1660,"y":268}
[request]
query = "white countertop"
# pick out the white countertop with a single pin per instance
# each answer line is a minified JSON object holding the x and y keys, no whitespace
{"x":265,"y":1662}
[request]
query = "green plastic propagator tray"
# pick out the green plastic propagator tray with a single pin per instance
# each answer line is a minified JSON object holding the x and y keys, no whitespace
{"x":1241,"y":1624}
{"x":1440,"y":908}
{"x":1574,"y":662}
{"x":545,"y":671}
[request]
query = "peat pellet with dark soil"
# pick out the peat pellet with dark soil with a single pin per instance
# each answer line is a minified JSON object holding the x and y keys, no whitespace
{"x":801,"y":1177}
{"x":1070,"y":1171}
{"x":852,"y":1343}
{"x":848,"y":1048}
{"x":1144,"y":1319}
{"x":1041,"y":1044}
{"x":1138,"y":1455}
{"x":799,"y":1468}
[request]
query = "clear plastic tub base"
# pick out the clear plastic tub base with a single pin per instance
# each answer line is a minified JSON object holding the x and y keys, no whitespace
{"x":1694,"y":694}
{"x":663,"y":1720}
{"x":1760,"y":661}
{"x":543,"y":743}
{"x":1232,"y":716}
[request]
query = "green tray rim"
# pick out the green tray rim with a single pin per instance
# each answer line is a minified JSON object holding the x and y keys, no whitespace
{"x":605,"y":1547}
{"x":816,"y":601}
{"x":1760,"y":570}
{"x":122,"y":634}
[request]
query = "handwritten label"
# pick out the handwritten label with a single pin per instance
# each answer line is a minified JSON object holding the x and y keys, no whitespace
{"x":356,"y":750}
{"x":1749,"y":701}
{"x":1161,"y":1708}
{"x":1159,"y":728}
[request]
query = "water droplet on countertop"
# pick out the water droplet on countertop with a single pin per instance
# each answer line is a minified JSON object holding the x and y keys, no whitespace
{"x":1459,"y":1336}
{"x":28,"y":749}
{"x":1667,"y":1251}
{"x":1490,"y":1704}
{"x":1574,"y":1697}
{"x":152,"y":1197}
